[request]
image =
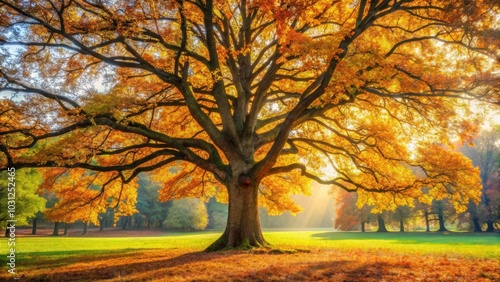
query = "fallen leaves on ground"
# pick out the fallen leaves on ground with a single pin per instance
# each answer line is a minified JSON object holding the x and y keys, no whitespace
{"x":310,"y":265}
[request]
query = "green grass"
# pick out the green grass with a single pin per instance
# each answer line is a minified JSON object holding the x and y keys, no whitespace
{"x":468,"y":245}
{"x":28,"y":248}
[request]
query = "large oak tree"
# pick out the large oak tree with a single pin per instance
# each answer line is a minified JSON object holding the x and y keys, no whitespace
{"x":246,"y":99}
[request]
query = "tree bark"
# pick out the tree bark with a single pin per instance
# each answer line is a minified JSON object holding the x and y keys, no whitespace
{"x":476,"y":227}
{"x":34,"y":226}
{"x":126,"y":222}
{"x":381,"y":224}
{"x":243,"y":229}
{"x":56,"y":229}
{"x":442,"y":228}
{"x":362,"y":226}
{"x":138,"y":222}
{"x":65,"y":229}
{"x":85,"y":226}
{"x":401,"y":225}
{"x":491,"y":227}
{"x":101,"y":224}
{"x":427,"y":225}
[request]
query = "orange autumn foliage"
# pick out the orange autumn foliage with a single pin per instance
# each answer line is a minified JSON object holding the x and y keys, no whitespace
{"x":249,"y":101}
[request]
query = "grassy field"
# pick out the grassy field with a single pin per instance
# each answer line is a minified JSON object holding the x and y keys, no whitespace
{"x":332,"y":256}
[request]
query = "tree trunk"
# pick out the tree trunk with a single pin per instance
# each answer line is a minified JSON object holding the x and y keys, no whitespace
{"x":101,"y":224}
{"x":381,"y":224}
{"x":442,"y":228}
{"x":7,"y":232}
{"x":33,"y":228}
{"x":243,"y":229}
{"x":66,"y":229}
{"x":490,"y":228}
{"x":56,"y":229}
{"x":125,"y":222}
{"x":138,"y":222}
{"x":476,"y":227}
{"x":362,"y":226}
{"x":85,"y":225}
{"x":427,"y":225}
{"x":401,"y":225}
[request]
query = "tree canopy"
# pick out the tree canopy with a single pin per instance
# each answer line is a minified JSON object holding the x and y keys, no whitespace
{"x":27,"y":201}
{"x":187,"y":214}
{"x":247,"y":100}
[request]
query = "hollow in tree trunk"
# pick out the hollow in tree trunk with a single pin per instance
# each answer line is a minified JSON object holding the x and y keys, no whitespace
{"x":243,"y":224}
{"x":381,"y":224}
{"x":56,"y":229}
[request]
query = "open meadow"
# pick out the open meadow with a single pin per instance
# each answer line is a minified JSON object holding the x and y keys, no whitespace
{"x":312,"y":255}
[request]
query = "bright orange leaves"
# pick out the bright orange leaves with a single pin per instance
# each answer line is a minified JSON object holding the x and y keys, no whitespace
{"x":83,"y":195}
{"x":360,"y":95}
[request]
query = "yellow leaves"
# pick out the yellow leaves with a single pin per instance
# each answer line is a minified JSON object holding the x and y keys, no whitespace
{"x":185,"y":180}
{"x":83,"y":195}
{"x":117,"y":101}
{"x":366,"y":142}
{"x":448,"y":175}
{"x":453,"y":175}
{"x":275,"y":192}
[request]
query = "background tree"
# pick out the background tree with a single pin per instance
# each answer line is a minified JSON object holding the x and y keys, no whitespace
{"x":187,"y":214}
{"x":84,"y":195}
{"x":423,"y":210}
{"x":401,"y":215}
{"x":349,"y":216}
{"x":381,"y":223}
{"x":485,"y":153}
{"x":246,"y":99}
{"x":106,"y":219}
{"x":147,"y":201}
{"x":27,"y":201}
{"x":442,"y":211}
{"x":35,"y":220}
{"x":217,"y":214}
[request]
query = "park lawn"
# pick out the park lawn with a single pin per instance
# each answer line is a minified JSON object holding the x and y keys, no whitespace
{"x":296,"y":255}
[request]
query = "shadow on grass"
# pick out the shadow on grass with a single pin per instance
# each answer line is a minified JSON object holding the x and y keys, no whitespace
{"x":98,"y":266}
{"x":195,"y":267}
{"x":251,"y":266}
{"x":63,"y":258}
{"x":416,"y":237}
